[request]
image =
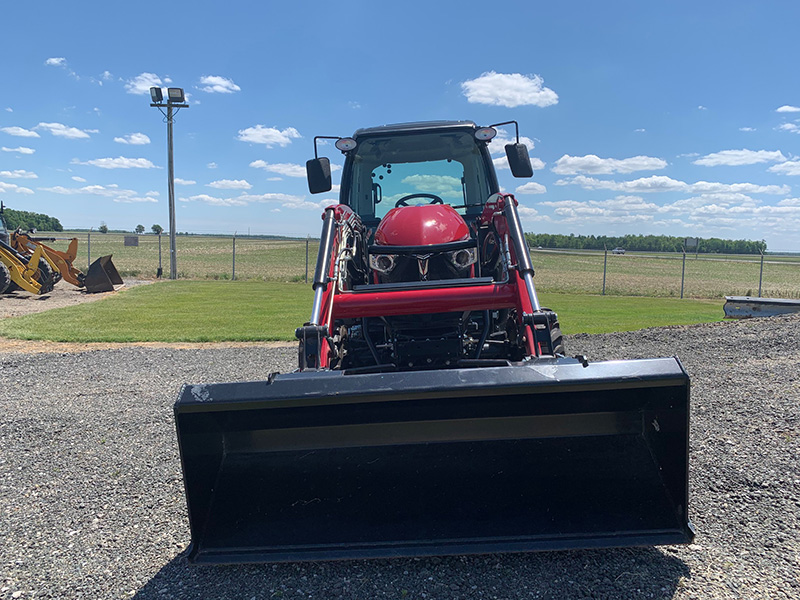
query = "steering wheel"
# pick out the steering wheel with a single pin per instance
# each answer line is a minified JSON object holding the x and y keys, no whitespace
{"x":403,"y":201}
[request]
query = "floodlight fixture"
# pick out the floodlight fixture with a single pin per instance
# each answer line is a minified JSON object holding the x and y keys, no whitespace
{"x":175,"y":101}
{"x":175,"y":95}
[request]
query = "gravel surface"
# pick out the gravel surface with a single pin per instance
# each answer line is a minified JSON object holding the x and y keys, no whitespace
{"x":92,"y":506}
{"x":20,"y":302}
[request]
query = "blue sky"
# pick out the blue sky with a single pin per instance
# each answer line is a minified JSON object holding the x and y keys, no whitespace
{"x":679,"y":118}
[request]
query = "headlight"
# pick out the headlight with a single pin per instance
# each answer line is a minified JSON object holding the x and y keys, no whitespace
{"x":464,"y":257}
{"x":383,"y":263}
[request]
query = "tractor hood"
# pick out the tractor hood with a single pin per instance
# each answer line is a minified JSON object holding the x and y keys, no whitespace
{"x":421,"y":226}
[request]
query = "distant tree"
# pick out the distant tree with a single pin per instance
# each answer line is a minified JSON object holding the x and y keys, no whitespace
{"x":30,"y":220}
{"x":157,"y":229}
{"x":103,"y":227}
{"x":139,"y":229}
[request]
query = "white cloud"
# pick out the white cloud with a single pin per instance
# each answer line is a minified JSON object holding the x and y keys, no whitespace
{"x":307,"y":205}
{"x":11,"y":187}
{"x":211,"y":165}
{"x":135,"y":139}
{"x":286,"y":169}
{"x":19,"y":132}
{"x":78,"y":179}
{"x":142,"y":83}
{"x":701,"y":107}
{"x":65,"y":131}
{"x":526,"y":212}
{"x":272,"y":197}
{"x":791,"y":127}
{"x":214,"y":201}
{"x":120,"y":162}
{"x":131,"y":199}
{"x":736,"y":158}
{"x":640,"y":130}
{"x":18,"y":174}
{"x":20,"y":149}
{"x":56,"y":62}
{"x":230,"y":184}
{"x":791,"y":167}
{"x":788,"y":109}
{"x":662,"y":183}
{"x":269,"y":136}
{"x":789,"y":202}
{"x":571,"y":165}
{"x":180,"y":181}
{"x":108,"y":191}
{"x":747,"y":128}
{"x":508,"y":89}
{"x":9,"y":109}
{"x":619,"y":210}
{"x":219,"y":85}
{"x":531,"y":188}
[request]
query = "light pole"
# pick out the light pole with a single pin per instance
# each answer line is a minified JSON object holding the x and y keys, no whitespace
{"x":175,"y":99}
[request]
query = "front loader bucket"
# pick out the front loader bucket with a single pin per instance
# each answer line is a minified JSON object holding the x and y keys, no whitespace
{"x":102,"y":276}
{"x":543,"y":456}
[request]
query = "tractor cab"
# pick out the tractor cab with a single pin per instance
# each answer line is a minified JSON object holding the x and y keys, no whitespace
{"x":419,"y":190}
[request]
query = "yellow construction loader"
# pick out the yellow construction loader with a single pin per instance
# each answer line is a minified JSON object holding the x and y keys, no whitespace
{"x":55,"y":264}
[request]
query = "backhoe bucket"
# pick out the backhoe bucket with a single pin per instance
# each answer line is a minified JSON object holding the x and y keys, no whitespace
{"x":102,"y":276}
{"x":546,"y":455}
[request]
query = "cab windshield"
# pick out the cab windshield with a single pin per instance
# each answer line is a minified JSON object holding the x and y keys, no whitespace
{"x":417,"y":169}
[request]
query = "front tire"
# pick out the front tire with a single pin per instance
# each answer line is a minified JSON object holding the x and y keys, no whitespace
{"x":5,"y":278}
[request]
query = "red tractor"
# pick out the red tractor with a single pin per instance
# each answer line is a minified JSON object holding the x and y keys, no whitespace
{"x":434,"y":410}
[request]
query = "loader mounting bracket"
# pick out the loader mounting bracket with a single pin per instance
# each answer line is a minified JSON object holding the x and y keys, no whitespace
{"x":311,"y":337}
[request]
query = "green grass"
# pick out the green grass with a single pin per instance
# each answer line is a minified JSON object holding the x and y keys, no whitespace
{"x":604,"y":314}
{"x":180,"y":311}
{"x":211,"y":311}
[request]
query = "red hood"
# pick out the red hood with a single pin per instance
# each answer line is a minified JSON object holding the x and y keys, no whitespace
{"x":421,"y":226}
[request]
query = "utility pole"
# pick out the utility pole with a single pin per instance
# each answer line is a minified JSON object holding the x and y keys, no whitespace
{"x":175,"y":99}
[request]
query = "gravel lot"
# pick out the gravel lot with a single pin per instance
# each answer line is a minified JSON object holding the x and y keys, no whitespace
{"x":92,"y":504}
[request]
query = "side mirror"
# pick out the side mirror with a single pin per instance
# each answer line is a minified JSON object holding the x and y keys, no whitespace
{"x":518,"y":160}
{"x":318,"y":171}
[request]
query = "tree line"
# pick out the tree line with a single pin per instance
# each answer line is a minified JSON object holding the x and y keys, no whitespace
{"x":643,"y":243}
{"x":30,"y":220}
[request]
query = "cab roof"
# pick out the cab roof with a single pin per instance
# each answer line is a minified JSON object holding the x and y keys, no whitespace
{"x":417,"y":126}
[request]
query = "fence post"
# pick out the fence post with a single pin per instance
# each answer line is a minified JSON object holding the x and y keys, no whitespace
{"x":233,"y":277}
{"x":683,"y":270}
{"x":160,"y":271}
{"x":308,"y":237}
{"x":761,"y":273}
{"x":89,"y":249}
{"x":605,"y":264}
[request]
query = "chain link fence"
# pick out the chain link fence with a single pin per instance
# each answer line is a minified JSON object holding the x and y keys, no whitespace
{"x":567,"y":271}
{"x":667,"y":274}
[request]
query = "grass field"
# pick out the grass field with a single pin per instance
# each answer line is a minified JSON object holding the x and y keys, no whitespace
{"x":570,"y":272}
{"x":211,"y":311}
